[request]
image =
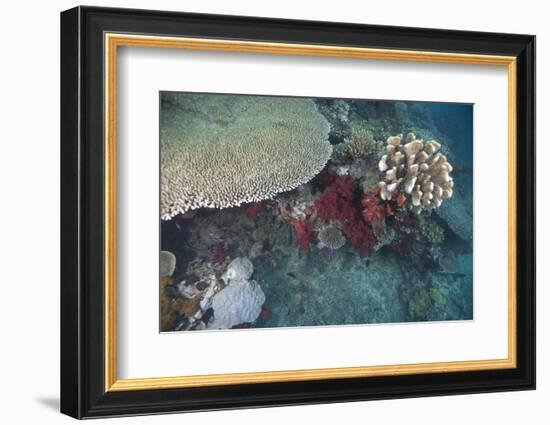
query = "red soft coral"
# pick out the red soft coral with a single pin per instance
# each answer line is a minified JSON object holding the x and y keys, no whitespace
{"x":304,"y":231}
{"x":360,"y":236}
{"x":374,"y":208}
{"x":339,"y":202}
{"x":336,"y":203}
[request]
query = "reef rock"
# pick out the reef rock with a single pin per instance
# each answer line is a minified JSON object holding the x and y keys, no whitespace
{"x":223,"y":151}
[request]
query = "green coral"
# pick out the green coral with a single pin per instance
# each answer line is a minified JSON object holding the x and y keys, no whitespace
{"x":425,"y":301}
{"x":429,"y":229}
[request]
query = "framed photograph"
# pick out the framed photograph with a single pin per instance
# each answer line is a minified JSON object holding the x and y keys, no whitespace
{"x":261,"y":212}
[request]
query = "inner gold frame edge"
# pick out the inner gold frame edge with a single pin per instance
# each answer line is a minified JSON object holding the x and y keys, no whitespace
{"x":113,"y":41}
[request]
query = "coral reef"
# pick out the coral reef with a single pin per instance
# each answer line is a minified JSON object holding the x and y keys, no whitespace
{"x":417,"y":170}
{"x":331,"y":237}
{"x":223,"y":151}
{"x":267,"y":233}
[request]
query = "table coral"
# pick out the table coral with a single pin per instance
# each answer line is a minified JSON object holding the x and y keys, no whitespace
{"x":222,"y":151}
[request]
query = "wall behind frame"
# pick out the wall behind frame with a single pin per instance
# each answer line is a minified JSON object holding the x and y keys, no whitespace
{"x":29,"y":217}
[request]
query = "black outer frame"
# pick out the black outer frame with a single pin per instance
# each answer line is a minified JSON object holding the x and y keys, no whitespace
{"x":82,"y":206}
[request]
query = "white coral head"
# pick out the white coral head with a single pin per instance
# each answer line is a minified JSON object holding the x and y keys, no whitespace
{"x":424,"y":175}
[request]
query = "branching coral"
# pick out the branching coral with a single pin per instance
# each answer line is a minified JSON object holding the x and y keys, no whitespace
{"x":222,"y":151}
{"x":415,"y":169}
{"x":360,"y":145}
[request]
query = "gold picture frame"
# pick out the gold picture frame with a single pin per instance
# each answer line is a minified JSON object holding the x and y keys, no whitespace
{"x":91,"y":40}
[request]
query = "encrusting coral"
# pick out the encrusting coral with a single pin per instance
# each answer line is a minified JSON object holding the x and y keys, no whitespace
{"x":224,"y":151}
{"x":417,"y":170}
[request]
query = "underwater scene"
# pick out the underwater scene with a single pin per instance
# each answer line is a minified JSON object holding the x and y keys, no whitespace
{"x":292,"y":211}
